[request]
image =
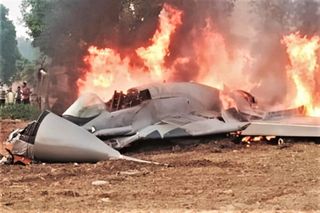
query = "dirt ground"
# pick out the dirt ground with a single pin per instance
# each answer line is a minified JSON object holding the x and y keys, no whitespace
{"x":215,"y":175}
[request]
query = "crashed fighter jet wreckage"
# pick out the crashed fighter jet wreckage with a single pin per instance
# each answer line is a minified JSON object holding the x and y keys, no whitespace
{"x":91,"y":130}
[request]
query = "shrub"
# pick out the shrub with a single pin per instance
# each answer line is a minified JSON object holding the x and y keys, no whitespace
{"x":19,"y":111}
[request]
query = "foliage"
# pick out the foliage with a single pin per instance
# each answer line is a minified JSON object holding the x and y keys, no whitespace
{"x":8,"y":47}
{"x":19,"y":111}
{"x":34,"y":13}
{"x":27,"y":71}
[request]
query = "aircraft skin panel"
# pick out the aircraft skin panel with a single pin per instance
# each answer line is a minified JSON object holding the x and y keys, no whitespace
{"x":59,"y":140}
{"x":164,"y":130}
{"x":212,"y":126}
{"x":161,"y":128}
{"x":197,"y":125}
{"x":301,"y":120}
{"x":209,"y":96}
{"x":126,"y":130}
{"x":281,"y":129}
{"x":182,"y":120}
{"x":192,"y":127}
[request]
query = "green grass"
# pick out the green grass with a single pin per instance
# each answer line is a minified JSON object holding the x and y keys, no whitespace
{"x":19,"y":111}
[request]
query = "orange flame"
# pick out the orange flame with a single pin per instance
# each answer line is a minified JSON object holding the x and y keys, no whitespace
{"x":222,"y":66}
{"x":105,"y":66}
{"x":108,"y":71}
{"x":304,"y":70}
{"x":154,"y":55}
{"x":216,"y":65}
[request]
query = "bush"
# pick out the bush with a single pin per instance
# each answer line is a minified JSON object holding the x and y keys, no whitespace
{"x":19,"y":111}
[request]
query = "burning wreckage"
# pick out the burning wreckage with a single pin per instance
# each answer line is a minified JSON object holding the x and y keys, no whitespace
{"x":91,"y":130}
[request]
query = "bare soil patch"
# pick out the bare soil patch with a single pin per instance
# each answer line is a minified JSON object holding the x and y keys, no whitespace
{"x":215,"y":175}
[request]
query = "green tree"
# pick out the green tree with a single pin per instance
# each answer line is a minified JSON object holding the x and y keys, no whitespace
{"x":34,"y":13}
{"x":26,"y":71}
{"x":9,"y":53}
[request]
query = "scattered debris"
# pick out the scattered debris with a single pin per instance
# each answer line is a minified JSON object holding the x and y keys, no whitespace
{"x":130,"y":172}
{"x":99,"y":183}
{"x":228,"y":192}
{"x":106,"y":199}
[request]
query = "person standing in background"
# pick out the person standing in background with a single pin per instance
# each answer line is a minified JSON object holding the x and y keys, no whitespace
{"x":2,"y":95}
{"x":18,"y":95}
{"x":25,"y":92}
{"x":10,"y":96}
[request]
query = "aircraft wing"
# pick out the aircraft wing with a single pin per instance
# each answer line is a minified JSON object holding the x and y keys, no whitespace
{"x":184,"y":125}
{"x":299,"y":126}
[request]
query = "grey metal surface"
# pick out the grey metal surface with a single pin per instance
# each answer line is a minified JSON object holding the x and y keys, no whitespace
{"x":208,"y":97}
{"x":291,"y":126}
{"x":59,"y":140}
{"x":281,"y":129}
{"x":87,"y":105}
{"x":120,"y":131}
{"x":173,"y":128}
{"x":212,"y":126}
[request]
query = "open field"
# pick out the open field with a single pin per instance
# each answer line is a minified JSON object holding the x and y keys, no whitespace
{"x":216,"y":175}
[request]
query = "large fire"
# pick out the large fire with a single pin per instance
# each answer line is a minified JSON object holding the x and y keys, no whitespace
{"x":108,"y":71}
{"x":215,"y":63}
{"x":153,"y":55}
{"x":218,"y":65}
{"x":304,"y":70}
